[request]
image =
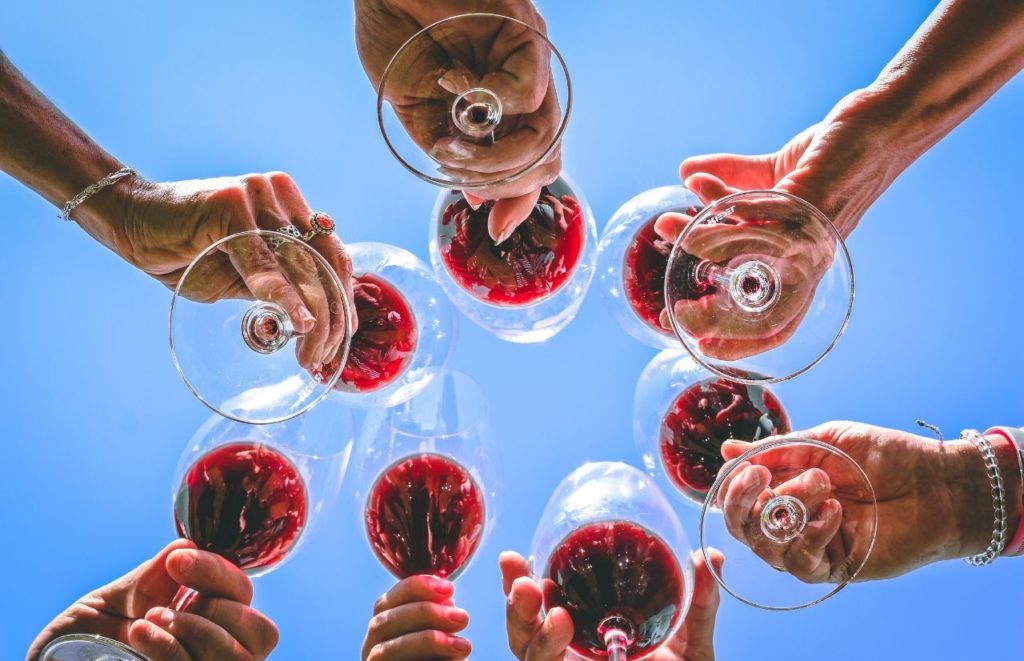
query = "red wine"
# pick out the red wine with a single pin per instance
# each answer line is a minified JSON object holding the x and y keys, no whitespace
{"x":384,"y":343}
{"x":535,"y":261}
{"x":425,"y":515}
{"x":706,"y":415}
{"x":615,"y":575}
{"x":245,"y":502}
{"x":643,"y":274}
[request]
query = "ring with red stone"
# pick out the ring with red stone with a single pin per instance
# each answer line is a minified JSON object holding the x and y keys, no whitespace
{"x":320,"y":223}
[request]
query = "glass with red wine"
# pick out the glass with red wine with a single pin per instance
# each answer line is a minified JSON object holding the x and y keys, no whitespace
{"x":428,"y":474}
{"x":249,"y":493}
{"x":682,"y":414}
{"x":610,"y":550}
{"x":757,"y":273}
{"x":444,"y":112}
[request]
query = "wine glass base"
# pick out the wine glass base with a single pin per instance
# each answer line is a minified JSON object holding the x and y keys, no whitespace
{"x":88,"y":647}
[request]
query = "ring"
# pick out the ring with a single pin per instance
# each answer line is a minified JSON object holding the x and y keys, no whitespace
{"x":289,"y":230}
{"x":321,"y":224}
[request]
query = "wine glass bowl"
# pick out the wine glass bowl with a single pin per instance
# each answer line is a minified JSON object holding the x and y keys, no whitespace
{"x":760,"y":273}
{"x":632,"y":260}
{"x":448,"y":109}
{"x":605,"y":550}
{"x":682,"y":415}
{"x":528,"y":287}
{"x":797,"y":520}
{"x":240,"y":354}
{"x":405,"y":334}
{"x":429,"y":477}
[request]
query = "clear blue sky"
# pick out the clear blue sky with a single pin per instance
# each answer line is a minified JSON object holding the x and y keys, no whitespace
{"x":95,"y":417}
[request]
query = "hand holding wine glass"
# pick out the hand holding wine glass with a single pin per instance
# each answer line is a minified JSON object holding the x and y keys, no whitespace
{"x":506,"y":109}
{"x":933,"y":501}
{"x":532,"y":637}
{"x":415,"y":619}
{"x":219,"y":624}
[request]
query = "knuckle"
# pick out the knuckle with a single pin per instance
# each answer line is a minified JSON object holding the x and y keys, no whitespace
{"x":379,"y":622}
{"x":268,"y":635}
{"x":281,"y":181}
{"x":380,"y":604}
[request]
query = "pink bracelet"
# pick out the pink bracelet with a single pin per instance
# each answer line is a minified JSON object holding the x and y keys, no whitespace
{"x":1016,"y":439}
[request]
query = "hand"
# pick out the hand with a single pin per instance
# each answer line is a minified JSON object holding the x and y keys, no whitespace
{"x":840,"y":166}
{"x":508,"y":61}
{"x":933,"y":502}
{"x":416,"y":619}
{"x":533,"y":638}
{"x":218,"y":625}
{"x":163,"y":227}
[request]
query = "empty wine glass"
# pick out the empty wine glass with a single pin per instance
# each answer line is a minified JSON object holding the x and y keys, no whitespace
{"x":611,"y":551}
{"x":757,"y":273}
{"x":528,"y":287}
{"x":782,"y":502}
{"x":251,"y":494}
{"x":236,"y":355}
{"x":405,"y":334}
{"x":682,"y":414}
{"x":428,"y":477}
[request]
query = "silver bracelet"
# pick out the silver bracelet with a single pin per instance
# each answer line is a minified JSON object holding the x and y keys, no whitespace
{"x":92,"y":189}
{"x":995,"y":547}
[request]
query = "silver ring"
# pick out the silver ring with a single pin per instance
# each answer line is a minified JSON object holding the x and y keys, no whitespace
{"x":288,"y":230}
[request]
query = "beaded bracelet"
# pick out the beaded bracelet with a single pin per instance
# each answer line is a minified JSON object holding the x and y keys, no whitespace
{"x":92,"y":189}
{"x":995,"y":547}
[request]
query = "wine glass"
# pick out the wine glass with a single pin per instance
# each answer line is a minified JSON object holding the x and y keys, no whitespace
{"x":233,"y":353}
{"x":757,"y":273}
{"x":610,"y":550}
{"x":682,"y":414}
{"x":429,"y":478}
{"x":406,"y":329}
{"x":772,"y":506}
{"x":249,"y":493}
{"x":441,"y":110}
{"x":528,"y":287}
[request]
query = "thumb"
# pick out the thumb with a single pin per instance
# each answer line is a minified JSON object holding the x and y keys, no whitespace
{"x":508,"y":213}
{"x":146,"y":586}
{"x":708,"y":187}
{"x":700,"y":620}
{"x":734,"y":448}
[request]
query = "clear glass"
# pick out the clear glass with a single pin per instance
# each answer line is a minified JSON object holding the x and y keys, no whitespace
{"x":88,"y":647}
{"x":632,"y":260}
{"x":797,"y":521}
{"x":423,"y":519}
{"x":626,"y":551}
{"x":682,"y":414}
{"x":433,"y":321}
{"x":440,"y":102}
{"x":240,"y":357}
{"x":539,"y":318}
{"x":760,"y":273}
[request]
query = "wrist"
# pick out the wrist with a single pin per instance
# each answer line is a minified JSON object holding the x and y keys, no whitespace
{"x":105,"y":215}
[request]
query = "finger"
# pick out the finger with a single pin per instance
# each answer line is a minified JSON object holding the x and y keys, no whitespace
{"x":254,"y":630}
{"x":670,"y":225}
{"x":524,"y":73}
{"x":553,"y":638}
{"x":144,"y":587}
{"x":418,"y":616}
{"x":538,"y":177}
{"x":740,"y":497}
{"x":709,"y":188}
{"x":155,"y":643}
{"x":730,"y":349}
{"x":421,"y":645}
{"x":733,"y":448}
{"x":508,"y":213}
{"x":413,"y":589}
{"x":811,"y":487}
{"x":210,"y":575}
{"x":522,"y":614}
{"x":747,"y":172}
{"x":512,"y":566}
{"x":201,"y":638}
{"x":806,"y":558}
{"x":700,"y":620}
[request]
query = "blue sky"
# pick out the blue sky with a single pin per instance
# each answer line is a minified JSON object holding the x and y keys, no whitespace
{"x":95,"y":416}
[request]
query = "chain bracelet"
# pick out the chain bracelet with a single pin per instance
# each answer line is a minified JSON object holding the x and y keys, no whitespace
{"x":92,"y":189}
{"x":995,"y":547}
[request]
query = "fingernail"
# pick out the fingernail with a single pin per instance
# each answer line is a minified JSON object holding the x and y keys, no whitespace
{"x":461,"y":646}
{"x":161,"y":616}
{"x":186,"y":562}
{"x":505,"y":233}
{"x":688,"y":182}
{"x":441,"y":586}
{"x":458,"y":617}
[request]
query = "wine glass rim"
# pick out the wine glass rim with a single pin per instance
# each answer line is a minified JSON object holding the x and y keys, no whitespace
{"x":90,"y":638}
{"x":523,"y":170}
{"x":789,"y":439}
{"x":840,"y":242}
{"x":345,"y":346}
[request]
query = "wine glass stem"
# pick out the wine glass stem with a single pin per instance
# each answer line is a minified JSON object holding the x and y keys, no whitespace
{"x":183,"y":599}
{"x":616,"y":644}
{"x":753,"y":285}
